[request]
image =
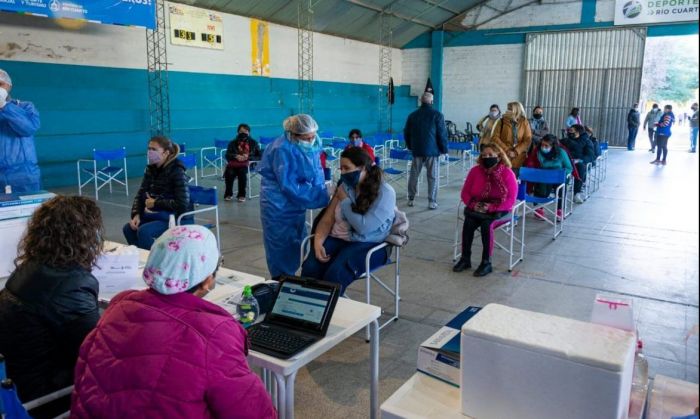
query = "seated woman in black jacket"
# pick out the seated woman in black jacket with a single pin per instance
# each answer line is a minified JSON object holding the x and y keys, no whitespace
{"x":241,"y":150}
{"x":163,"y":192}
{"x":49,"y":303}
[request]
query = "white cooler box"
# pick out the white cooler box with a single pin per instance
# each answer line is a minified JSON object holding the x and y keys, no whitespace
{"x":527,"y":365}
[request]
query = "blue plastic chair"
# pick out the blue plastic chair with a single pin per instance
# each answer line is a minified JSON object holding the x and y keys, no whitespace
{"x":190,"y":162}
{"x":203,"y":196}
{"x":105,"y":175}
{"x":549,"y":204}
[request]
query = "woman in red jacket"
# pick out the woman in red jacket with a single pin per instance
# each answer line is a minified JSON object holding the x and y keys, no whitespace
{"x":489,"y":193}
{"x":165,"y":352}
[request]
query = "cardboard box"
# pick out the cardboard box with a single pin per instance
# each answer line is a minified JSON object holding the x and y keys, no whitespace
{"x":439,"y":355}
{"x":527,"y":365}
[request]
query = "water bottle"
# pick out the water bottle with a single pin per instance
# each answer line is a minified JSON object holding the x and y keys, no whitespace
{"x":640,"y":376}
{"x":247,"y":308}
{"x":13,"y":408}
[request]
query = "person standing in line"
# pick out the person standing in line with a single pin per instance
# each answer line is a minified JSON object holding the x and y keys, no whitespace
{"x":538,"y":126}
{"x":694,"y":127}
{"x":19,"y":121}
{"x":663,"y":133}
{"x":485,"y":124}
{"x":425,"y":134}
{"x":653,"y":116}
{"x":632,"y":126}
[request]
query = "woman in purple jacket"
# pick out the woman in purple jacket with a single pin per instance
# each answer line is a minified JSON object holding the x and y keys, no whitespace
{"x":165,"y":352}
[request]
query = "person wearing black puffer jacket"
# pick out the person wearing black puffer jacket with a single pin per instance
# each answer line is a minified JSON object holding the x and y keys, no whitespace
{"x":49,"y":303}
{"x":582,"y":152}
{"x":163,"y":192}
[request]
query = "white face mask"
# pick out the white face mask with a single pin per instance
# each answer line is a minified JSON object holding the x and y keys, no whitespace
{"x":3,"y":95}
{"x":494,"y":114}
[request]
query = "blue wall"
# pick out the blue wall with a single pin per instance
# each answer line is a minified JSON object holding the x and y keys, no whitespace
{"x":84,"y":107}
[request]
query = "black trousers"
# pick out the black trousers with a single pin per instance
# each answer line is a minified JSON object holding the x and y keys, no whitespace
{"x":236,"y":172}
{"x":661,"y":147}
{"x":482,"y":221}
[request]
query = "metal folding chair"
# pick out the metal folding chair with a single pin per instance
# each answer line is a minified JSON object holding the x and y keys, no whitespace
{"x":252,"y":174}
{"x":369,"y":275}
{"x":512,"y":226}
{"x":213,"y":157}
{"x":105,"y":175}
{"x":202,"y":196}
{"x":190,"y":162}
{"x":548,"y":204}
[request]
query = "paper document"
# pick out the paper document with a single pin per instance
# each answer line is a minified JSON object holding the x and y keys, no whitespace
{"x":118,"y":270}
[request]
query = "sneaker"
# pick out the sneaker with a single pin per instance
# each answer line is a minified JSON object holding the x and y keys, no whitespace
{"x":578,"y":198}
{"x":663,"y":163}
{"x":484,"y":268}
{"x":410,"y":202}
{"x":228,"y":198}
{"x":539,"y":214}
{"x":462,"y":264}
{"x":241,"y":199}
{"x":560,"y":214}
{"x":651,"y":150}
{"x":655,"y":162}
{"x":433,"y":205}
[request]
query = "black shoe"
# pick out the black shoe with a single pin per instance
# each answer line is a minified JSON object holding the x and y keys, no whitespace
{"x":461,"y":265}
{"x":483,"y":269}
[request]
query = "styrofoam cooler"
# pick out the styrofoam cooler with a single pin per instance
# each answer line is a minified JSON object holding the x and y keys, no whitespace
{"x":527,"y":365}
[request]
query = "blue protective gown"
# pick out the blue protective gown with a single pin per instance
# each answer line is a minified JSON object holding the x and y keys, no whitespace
{"x":18,"y":164}
{"x":292,"y":182}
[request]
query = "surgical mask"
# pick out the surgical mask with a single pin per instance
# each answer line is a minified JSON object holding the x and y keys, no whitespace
{"x":494,"y":114}
{"x":546,"y":150}
{"x":537,"y":116}
{"x":3,"y":95}
{"x":154,"y":157}
{"x":489,"y":162}
{"x":308,"y":146}
{"x":356,"y":142}
{"x":351,"y":179}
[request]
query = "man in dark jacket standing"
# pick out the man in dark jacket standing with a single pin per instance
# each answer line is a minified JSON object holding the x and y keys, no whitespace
{"x":425,"y":134}
{"x":632,"y":126}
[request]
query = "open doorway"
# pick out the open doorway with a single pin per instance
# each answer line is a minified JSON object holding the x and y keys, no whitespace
{"x":670,"y":77}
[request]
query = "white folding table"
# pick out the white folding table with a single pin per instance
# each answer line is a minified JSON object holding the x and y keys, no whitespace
{"x":349,"y":318}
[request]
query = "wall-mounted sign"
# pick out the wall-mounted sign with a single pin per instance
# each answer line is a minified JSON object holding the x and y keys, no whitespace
{"x":635,"y":12}
{"x":118,"y":12}
{"x":260,"y":43}
{"x":195,"y":27}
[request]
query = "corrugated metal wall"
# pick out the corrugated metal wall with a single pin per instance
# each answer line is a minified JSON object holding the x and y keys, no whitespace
{"x":597,"y":71}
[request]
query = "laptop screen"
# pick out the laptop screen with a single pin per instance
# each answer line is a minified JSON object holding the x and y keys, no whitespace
{"x":305,"y":305}
{"x":300,"y":303}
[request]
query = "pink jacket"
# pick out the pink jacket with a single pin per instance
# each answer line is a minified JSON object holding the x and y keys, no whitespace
{"x":498,"y":188}
{"x":166,"y":356}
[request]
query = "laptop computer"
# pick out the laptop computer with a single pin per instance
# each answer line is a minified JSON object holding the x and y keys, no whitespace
{"x":299,"y":317}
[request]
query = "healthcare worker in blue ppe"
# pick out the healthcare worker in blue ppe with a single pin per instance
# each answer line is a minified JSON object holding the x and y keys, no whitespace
{"x":18,"y":123}
{"x":292,"y":182}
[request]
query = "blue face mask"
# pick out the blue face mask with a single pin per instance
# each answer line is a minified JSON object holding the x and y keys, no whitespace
{"x":546,"y":150}
{"x":308,"y":146}
{"x":351,"y":179}
{"x":356,"y":142}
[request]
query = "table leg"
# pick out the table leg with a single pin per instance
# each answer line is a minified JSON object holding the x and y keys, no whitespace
{"x":281,"y":396}
{"x":374,"y":369}
{"x":289,"y":391}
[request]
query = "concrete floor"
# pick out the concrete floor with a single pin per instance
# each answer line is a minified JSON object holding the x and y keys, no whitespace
{"x":636,"y":237}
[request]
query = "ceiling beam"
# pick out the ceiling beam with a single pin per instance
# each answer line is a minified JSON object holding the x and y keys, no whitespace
{"x":440,"y":6}
{"x":397,"y":15}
